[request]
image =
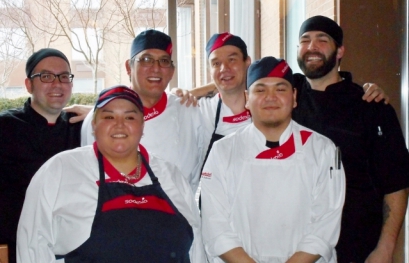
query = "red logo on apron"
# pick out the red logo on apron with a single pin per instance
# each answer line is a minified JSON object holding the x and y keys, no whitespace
{"x":138,"y":202}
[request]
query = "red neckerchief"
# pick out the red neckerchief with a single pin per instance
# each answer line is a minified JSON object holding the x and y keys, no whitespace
{"x":114,"y":175}
{"x":285,"y":150}
{"x":241,"y":117}
{"x":160,"y":106}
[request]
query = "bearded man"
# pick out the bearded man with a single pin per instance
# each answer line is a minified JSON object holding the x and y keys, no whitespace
{"x":374,"y":153}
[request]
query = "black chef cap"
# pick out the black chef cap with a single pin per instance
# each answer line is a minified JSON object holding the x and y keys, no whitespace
{"x":223,"y":39}
{"x":151,"y":39}
{"x":41,"y":54}
{"x":324,"y":24}
{"x":269,"y":67}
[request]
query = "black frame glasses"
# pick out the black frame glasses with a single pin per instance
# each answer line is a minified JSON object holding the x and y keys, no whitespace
{"x":50,"y":77}
{"x":148,"y":62}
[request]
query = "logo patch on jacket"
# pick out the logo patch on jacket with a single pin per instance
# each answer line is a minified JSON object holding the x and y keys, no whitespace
{"x":206,"y":175}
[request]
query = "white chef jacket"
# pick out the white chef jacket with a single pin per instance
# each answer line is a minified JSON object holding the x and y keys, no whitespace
{"x":175,"y":135}
{"x":272,"y":208}
{"x":228,"y":121}
{"x":61,"y":201}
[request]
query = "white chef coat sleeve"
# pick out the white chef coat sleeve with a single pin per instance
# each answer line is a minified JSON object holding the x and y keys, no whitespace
{"x":328,"y":199}
{"x":35,"y":237}
{"x":205,"y":109}
{"x":218,"y":235}
{"x":202,"y":138}
{"x":87,"y":138}
{"x":197,"y":253}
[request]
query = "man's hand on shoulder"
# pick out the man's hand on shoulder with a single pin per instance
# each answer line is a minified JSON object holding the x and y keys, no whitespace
{"x":379,"y":255}
{"x":80,"y":110}
{"x":187,"y":98}
{"x":374,"y":93}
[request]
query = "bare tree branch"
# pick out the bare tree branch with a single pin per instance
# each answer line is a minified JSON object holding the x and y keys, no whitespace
{"x":90,"y":27}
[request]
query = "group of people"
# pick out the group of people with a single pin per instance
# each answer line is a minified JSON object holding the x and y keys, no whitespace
{"x":308,"y":170}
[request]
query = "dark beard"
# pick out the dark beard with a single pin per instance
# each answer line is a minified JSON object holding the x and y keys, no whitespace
{"x":272,"y":124}
{"x":318,"y":72}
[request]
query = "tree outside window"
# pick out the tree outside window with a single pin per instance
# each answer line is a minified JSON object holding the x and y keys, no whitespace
{"x":86,"y":4}
{"x":85,"y":40}
{"x":12,"y":52}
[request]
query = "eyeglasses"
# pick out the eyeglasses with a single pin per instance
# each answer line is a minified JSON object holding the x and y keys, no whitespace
{"x":50,"y":77}
{"x":148,"y":62}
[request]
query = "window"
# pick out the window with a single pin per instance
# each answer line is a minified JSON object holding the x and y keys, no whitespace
{"x":209,"y":27}
{"x":212,"y":21}
{"x":86,"y":40}
{"x":150,"y":4}
{"x":405,"y":93}
{"x":185,"y":51}
{"x":12,"y":92}
{"x":141,"y":29}
{"x":12,"y":3}
{"x":86,"y":85}
{"x":86,"y":4}
{"x":12,"y":44}
{"x":295,"y":16}
{"x":244,"y":28}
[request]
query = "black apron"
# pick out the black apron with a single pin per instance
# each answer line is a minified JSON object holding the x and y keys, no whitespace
{"x":156,"y":234}
{"x":215,"y":137}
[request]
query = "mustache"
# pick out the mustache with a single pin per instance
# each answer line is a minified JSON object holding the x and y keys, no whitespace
{"x":311,"y":53}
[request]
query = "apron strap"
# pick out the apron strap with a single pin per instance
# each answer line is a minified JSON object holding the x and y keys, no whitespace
{"x":216,"y":120}
{"x":150,"y":172}
{"x":209,"y":146}
{"x":101,"y":182}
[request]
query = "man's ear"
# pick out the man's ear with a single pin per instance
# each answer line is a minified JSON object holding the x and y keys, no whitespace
{"x":248,"y":61}
{"x":246,"y":95}
{"x":173,"y":71}
{"x":128,"y":67}
{"x":295,"y":97}
{"x":29,"y":86}
{"x":340,"y":52}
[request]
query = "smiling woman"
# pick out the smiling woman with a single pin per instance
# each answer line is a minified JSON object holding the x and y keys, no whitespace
{"x":118,"y":125}
{"x":113,"y":181}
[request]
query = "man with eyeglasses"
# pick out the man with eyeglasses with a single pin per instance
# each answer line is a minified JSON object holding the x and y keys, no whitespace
{"x":32,"y":134}
{"x":172,"y":131}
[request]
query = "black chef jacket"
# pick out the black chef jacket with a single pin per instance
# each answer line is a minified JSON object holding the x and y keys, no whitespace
{"x":374,"y":156}
{"x":26,"y":142}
